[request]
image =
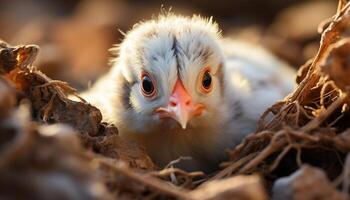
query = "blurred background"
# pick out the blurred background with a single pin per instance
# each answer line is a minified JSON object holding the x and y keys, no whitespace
{"x":75,"y":35}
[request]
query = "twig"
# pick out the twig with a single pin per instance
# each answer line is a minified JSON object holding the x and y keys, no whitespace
{"x":279,"y":158}
{"x":48,"y":107}
{"x":304,"y":136}
{"x":323,"y":115}
{"x":274,"y":146}
{"x":173,"y":174}
{"x":299,"y":161}
{"x":323,"y":93}
{"x":234,"y":166}
{"x":168,"y":171}
{"x":173,"y":162}
{"x":147,"y":180}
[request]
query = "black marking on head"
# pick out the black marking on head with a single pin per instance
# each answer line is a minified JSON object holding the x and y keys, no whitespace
{"x":140,"y":52}
{"x":175,"y":48}
{"x":125,"y":95}
{"x":260,"y":84}
{"x":221,"y":77}
{"x":238,"y":110}
{"x":154,"y":58}
{"x":205,"y":53}
{"x":201,"y":52}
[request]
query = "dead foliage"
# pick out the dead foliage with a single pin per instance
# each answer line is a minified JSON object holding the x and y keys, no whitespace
{"x":41,"y":161}
{"x":311,"y":124}
{"x":301,"y":185}
{"x":309,"y":127}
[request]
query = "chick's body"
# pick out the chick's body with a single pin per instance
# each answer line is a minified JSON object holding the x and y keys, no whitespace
{"x":226,"y":86}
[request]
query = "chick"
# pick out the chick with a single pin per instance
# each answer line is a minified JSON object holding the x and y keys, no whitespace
{"x":179,"y":89}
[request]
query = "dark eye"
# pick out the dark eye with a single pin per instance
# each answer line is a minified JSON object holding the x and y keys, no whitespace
{"x":147,"y":85}
{"x":206,"y":81}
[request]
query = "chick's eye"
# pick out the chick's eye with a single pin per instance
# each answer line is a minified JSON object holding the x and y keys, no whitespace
{"x":206,"y":81}
{"x":147,"y":85}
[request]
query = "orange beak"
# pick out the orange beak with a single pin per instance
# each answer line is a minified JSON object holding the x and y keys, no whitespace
{"x":180,"y":106}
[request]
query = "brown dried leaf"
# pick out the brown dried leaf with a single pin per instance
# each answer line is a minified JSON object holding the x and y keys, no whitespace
{"x":44,"y":162}
{"x":50,"y":104}
{"x":337,"y":64}
{"x":19,"y":56}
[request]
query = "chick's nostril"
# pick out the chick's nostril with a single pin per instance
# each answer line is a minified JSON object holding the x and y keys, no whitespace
{"x":173,"y":103}
{"x":188,"y":102}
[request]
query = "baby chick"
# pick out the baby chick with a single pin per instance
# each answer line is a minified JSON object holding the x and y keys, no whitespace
{"x":179,"y":89}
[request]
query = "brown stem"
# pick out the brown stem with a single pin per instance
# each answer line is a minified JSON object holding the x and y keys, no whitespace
{"x":234,"y":166}
{"x":316,"y":122}
{"x":147,"y":180}
{"x":275,"y":144}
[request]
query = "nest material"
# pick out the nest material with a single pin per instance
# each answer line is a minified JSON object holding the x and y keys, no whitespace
{"x":310,"y":127}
